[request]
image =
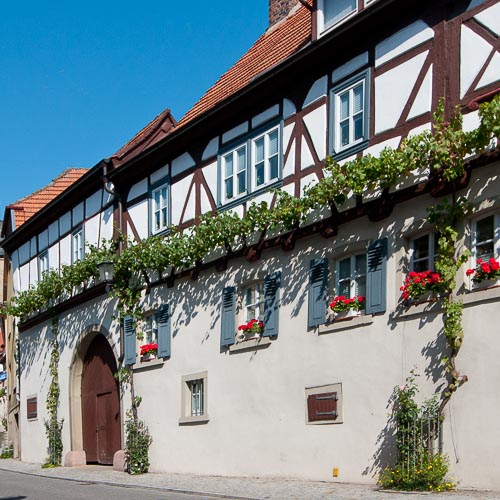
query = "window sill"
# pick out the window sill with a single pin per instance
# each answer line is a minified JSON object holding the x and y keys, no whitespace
{"x":345,"y":324}
{"x":242,"y":199}
{"x":349,"y":151}
{"x":145,"y":365}
{"x":246,"y":345}
{"x":479,"y":295}
{"x":418,"y":308}
{"x":201,"y":419}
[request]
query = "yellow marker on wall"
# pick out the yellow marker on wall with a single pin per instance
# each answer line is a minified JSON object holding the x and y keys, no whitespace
{"x":335,"y":472}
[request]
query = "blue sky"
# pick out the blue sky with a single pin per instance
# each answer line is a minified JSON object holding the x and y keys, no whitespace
{"x":79,"y":79}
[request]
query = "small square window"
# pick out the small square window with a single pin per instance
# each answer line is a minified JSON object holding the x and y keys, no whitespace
{"x":194,"y":403}
{"x":324,"y":404}
{"x":159,"y":209}
{"x":32,"y":408}
{"x":349,"y":115}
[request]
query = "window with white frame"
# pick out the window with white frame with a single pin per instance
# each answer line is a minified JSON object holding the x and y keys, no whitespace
{"x":351,"y":276}
{"x":350,"y":109}
{"x":333,"y":12}
{"x":250,"y":165}
{"x":159,"y":209}
{"x":234,"y":170}
{"x":77,"y":245}
{"x":265,"y":158}
{"x":43,"y":264}
{"x":486,"y":237}
{"x":423,"y":252}
{"x":194,"y":398}
{"x":253,"y":302}
{"x":150,"y":328}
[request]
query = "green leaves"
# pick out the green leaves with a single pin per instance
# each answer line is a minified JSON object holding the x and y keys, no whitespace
{"x":441,"y":150}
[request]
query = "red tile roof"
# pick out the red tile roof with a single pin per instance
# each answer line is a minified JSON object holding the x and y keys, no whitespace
{"x":29,"y":205}
{"x":277,"y":44}
{"x":149,"y":135}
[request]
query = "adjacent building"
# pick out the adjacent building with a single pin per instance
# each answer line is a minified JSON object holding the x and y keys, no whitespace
{"x":327,"y":77}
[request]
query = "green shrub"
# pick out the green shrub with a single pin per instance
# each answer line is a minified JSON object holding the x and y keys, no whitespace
{"x":138,"y":441}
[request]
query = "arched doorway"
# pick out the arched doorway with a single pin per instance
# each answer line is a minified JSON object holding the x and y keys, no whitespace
{"x":100,"y":403}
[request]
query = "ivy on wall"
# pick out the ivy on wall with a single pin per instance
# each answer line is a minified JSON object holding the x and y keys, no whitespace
{"x":53,"y":426}
{"x":437,"y":154}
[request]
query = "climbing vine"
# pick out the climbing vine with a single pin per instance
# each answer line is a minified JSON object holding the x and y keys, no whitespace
{"x":53,"y":426}
{"x":437,"y":154}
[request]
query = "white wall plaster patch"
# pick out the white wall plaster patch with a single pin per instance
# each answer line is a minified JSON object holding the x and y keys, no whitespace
{"x":315,"y":122}
{"x":474,"y":51}
{"x":392,"y":90}
{"x":409,"y":37}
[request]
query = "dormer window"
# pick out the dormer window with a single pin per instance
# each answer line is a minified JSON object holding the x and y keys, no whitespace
{"x":333,"y":12}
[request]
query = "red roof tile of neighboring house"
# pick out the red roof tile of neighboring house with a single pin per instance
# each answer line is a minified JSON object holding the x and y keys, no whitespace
{"x":29,"y":205}
{"x":273,"y":47}
{"x":149,"y":135}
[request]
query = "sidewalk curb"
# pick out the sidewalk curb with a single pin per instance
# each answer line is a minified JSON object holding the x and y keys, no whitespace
{"x":127,"y":485}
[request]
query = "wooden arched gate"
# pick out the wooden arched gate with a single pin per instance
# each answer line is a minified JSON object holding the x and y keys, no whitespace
{"x":100,"y":403}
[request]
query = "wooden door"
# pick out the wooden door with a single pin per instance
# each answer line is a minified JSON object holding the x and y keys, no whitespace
{"x":100,"y":404}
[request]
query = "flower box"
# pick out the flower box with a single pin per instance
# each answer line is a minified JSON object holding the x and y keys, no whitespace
{"x":350,"y":313}
{"x":486,"y":274}
{"x":149,"y":351}
{"x":148,"y":356}
{"x":421,"y":286}
{"x":251,"y":330}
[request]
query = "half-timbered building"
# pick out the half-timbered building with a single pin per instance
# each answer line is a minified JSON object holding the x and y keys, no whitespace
{"x":340,"y":78}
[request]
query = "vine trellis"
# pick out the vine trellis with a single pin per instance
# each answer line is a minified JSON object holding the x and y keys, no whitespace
{"x":438,"y":153}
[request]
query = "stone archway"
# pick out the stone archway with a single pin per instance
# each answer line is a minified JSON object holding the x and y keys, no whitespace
{"x":94,"y":344}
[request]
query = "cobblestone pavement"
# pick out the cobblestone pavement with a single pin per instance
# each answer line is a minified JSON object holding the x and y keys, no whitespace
{"x":233,"y":487}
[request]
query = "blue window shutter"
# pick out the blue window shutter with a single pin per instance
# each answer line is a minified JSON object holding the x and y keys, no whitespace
{"x":129,"y":340}
{"x":228,"y":318}
{"x":164,"y":331}
{"x":272,"y":284}
{"x":318,"y":278}
{"x":376,"y":277}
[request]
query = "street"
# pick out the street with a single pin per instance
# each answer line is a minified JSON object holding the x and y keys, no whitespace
{"x":19,"y":486}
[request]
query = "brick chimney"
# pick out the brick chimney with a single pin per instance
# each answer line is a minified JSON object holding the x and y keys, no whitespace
{"x":279,"y":9}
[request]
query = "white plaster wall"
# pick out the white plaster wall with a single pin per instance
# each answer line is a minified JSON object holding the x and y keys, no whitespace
{"x":402,"y":41}
{"x":106,"y":224}
{"x":315,"y":122}
{"x":210,"y":174}
{"x":159,"y":175}
{"x":139,"y":215}
{"x":24,"y":276}
{"x":43,"y":240}
{"x":53,"y":232}
{"x":179,"y":192}
{"x":93,"y":203}
{"x":54,"y":257}
{"x":490,"y":18}
{"x":392,"y":90}
{"x":77,"y":214}
{"x":474,"y":50}
{"x":65,"y":223}
{"x":182,"y":163}
{"x":33,"y":263}
{"x":35,"y":378}
{"x":256,"y":400}
{"x":91,"y":232}
{"x":65,"y":250}
{"x":24,"y":252}
{"x":138,"y":189}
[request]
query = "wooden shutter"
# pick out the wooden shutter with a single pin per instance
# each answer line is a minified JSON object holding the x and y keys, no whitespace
{"x":322,"y":406}
{"x":129,"y":340}
{"x":32,"y":407}
{"x":164,"y":331}
{"x":272,"y":284}
{"x":318,"y":276}
{"x":376,"y":277}
{"x":228,"y":317}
